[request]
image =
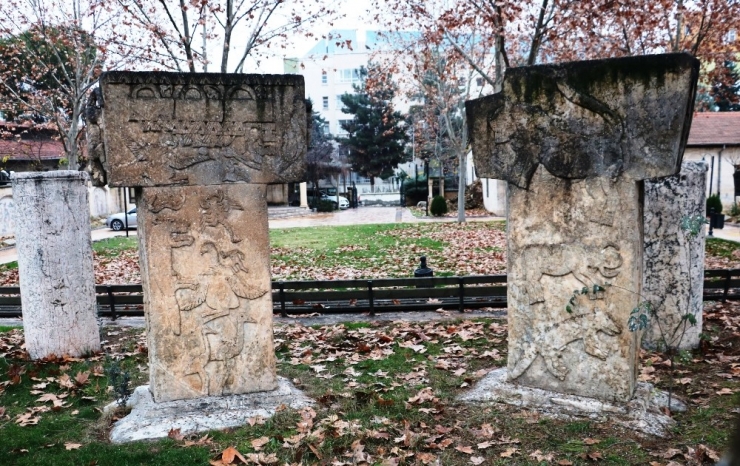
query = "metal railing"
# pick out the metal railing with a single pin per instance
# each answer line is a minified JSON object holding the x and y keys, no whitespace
{"x":373,"y":296}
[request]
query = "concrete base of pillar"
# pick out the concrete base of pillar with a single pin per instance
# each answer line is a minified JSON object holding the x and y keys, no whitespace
{"x":150,"y":420}
{"x":644,"y":412}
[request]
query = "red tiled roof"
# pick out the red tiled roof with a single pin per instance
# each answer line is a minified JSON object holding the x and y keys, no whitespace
{"x":31,"y":149}
{"x":9,"y":125}
{"x":715,"y":129}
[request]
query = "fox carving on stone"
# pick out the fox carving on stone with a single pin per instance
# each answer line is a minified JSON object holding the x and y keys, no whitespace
{"x":584,"y":262}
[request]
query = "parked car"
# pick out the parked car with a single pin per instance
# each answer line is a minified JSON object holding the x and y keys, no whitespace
{"x":343,"y":202}
{"x":117,"y":222}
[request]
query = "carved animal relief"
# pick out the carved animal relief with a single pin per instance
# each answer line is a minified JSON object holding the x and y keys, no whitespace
{"x":574,"y":141}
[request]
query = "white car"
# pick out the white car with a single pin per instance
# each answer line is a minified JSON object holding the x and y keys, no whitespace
{"x":343,"y":202}
{"x":117,"y":222}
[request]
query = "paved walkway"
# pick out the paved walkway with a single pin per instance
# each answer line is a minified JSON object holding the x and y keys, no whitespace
{"x":10,"y":254}
{"x":730,"y":232}
{"x":359,"y":216}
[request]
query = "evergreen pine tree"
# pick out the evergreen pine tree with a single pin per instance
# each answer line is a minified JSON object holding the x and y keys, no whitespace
{"x":376,"y":134}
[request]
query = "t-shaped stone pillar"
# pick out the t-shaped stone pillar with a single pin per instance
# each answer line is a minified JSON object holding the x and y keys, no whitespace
{"x":574,"y":142}
{"x":203,"y":147}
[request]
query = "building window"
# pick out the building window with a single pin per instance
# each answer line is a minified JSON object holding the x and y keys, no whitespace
{"x":324,"y":78}
{"x":350,"y":75}
{"x":340,"y":105}
{"x":342,"y":124}
{"x":479,"y":82}
{"x":325,"y":103}
{"x":731,"y":36}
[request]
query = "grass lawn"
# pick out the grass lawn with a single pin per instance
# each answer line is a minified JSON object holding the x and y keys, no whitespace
{"x":391,"y":250}
{"x":364,"y":251}
{"x":111,"y":247}
{"x":385,"y":394}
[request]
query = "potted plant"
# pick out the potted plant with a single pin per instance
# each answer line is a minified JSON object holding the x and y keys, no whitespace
{"x":714,"y":212}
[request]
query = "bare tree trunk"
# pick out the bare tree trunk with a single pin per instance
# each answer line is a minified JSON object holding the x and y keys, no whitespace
{"x":537,"y":38}
{"x":502,"y":62}
{"x":461,"y":187}
{"x":679,"y":26}
{"x":441,"y":180}
{"x":186,"y":39}
{"x":228,"y":27}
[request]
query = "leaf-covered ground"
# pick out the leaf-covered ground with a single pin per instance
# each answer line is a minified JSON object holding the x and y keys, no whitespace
{"x":364,"y":251}
{"x":385,"y":394}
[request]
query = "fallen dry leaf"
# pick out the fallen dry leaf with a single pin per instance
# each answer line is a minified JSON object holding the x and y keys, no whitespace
{"x":509,"y":452}
{"x":539,"y":456}
{"x":703,"y":450}
{"x":230,"y":454}
{"x":27,"y":419}
{"x":258,"y":443}
{"x":72,"y":446}
{"x":82,"y":378}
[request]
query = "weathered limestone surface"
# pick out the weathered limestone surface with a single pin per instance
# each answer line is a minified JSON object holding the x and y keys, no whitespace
{"x":202,"y":129}
{"x":584,"y":232}
{"x":627,"y":116}
{"x":674,"y":262}
{"x":150,"y":420}
{"x":55,"y":263}
{"x":645,"y":412}
{"x":202,"y":148}
{"x":573,"y":141}
{"x":206,"y":278}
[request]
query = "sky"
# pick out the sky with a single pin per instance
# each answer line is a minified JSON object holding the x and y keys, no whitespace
{"x":355,"y":17}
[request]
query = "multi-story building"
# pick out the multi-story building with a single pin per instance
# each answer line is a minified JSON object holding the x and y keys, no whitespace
{"x":331,"y":69}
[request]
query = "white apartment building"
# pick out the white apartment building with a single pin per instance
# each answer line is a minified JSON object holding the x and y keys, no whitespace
{"x":330,"y":69}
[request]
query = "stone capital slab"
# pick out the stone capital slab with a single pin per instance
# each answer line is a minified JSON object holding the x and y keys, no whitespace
{"x":617,"y":117}
{"x":179,"y":129}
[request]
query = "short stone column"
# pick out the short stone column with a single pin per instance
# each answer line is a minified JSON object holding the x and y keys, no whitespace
{"x":674,"y":257}
{"x":202,"y":148}
{"x":574,"y":142}
{"x":55,"y":263}
{"x":304,"y":195}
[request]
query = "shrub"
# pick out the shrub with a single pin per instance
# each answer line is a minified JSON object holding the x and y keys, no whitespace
{"x":120,"y":380}
{"x":325,"y":206}
{"x":735,"y":209}
{"x":713,"y":202}
{"x":439,"y":206}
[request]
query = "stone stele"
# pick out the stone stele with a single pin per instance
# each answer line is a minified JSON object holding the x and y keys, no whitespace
{"x":574,"y":142}
{"x":55,"y":263}
{"x":674,"y":258}
{"x":202,"y":128}
{"x":202,"y":147}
